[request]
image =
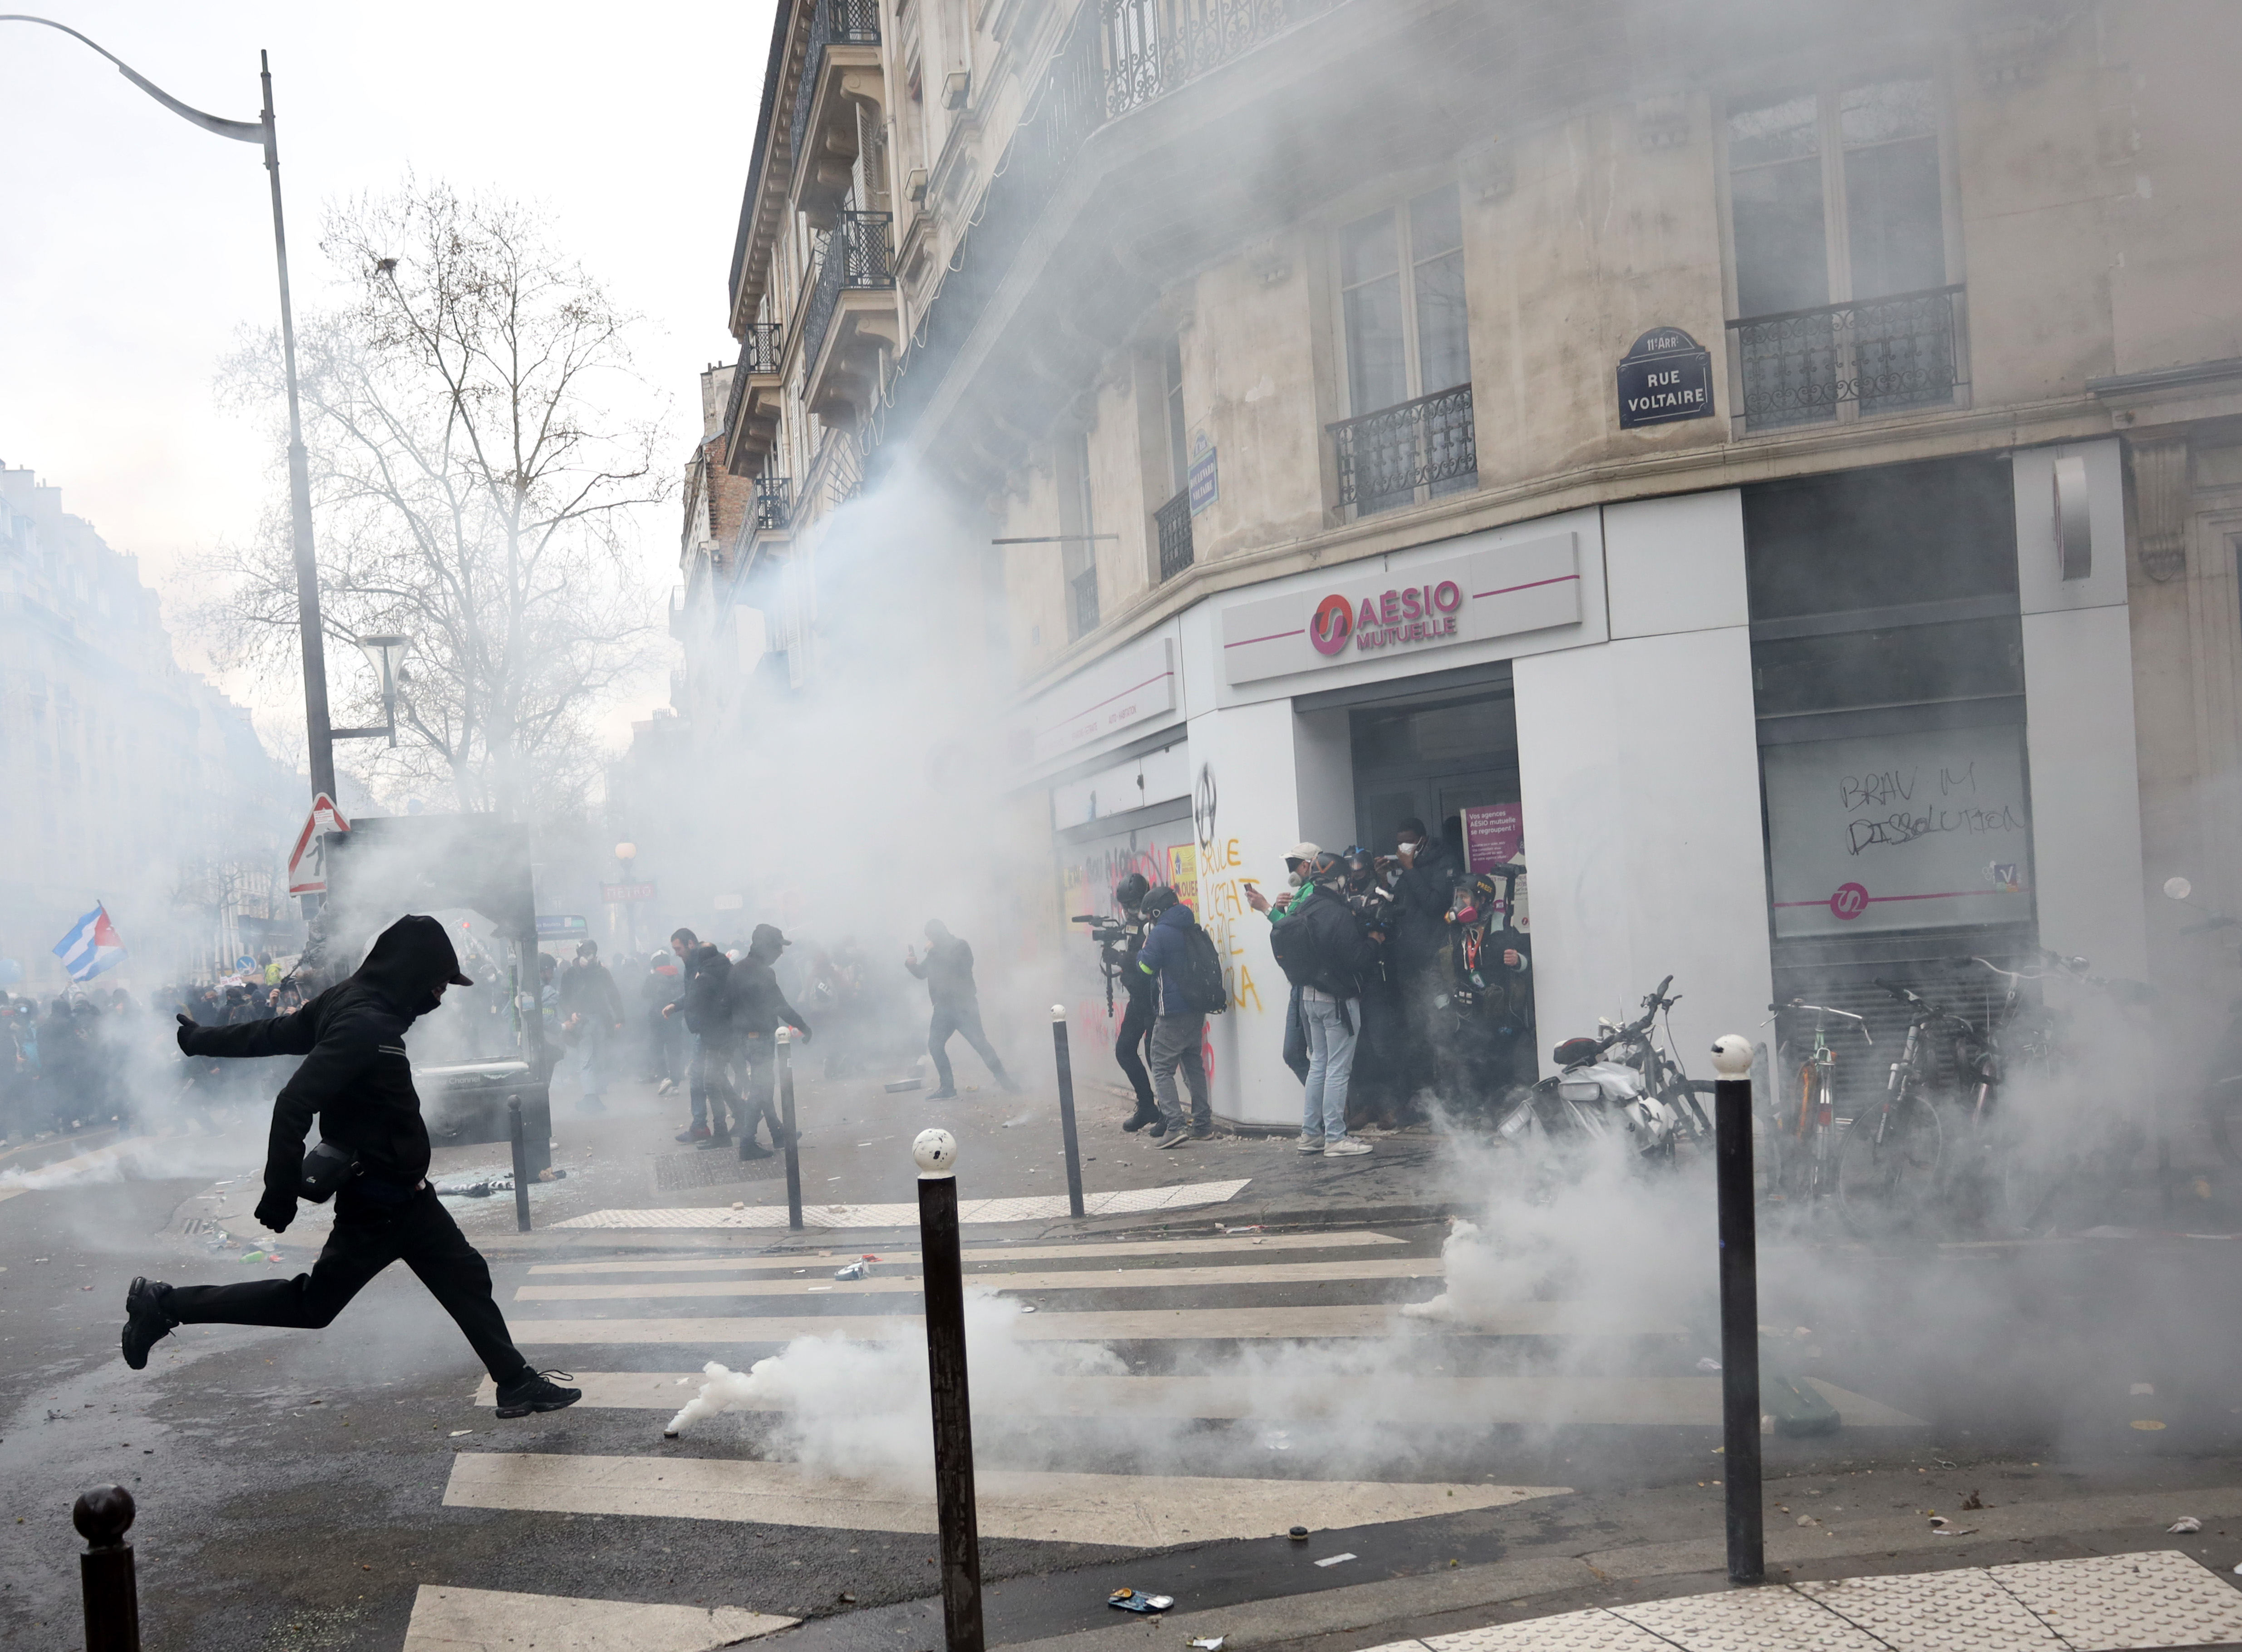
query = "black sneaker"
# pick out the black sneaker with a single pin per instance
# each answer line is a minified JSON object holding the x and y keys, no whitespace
{"x":749,"y":1149}
{"x":146,"y":1322}
{"x":943,"y":1095}
{"x":537,"y":1392}
{"x":1147,"y":1113}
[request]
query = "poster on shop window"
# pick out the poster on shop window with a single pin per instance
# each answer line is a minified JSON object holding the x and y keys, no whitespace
{"x":1931,"y":829}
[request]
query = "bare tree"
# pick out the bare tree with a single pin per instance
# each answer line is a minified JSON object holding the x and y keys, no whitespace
{"x":468,"y":492}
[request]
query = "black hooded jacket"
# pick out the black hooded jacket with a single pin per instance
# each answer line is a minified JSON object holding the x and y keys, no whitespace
{"x":760,"y":1007}
{"x":708,"y":1000}
{"x":355,"y":1075}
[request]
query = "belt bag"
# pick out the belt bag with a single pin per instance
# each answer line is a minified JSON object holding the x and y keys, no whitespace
{"x":326,"y":1167}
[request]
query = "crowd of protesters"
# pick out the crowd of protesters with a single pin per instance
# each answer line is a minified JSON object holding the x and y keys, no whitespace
{"x":1409,"y":985}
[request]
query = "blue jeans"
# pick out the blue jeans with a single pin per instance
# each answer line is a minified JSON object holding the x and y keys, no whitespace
{"x":1331,"y":1026}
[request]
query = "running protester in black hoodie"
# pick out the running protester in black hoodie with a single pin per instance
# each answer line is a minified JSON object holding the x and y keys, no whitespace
{"x":356,"y":1078}
{"x":759,"y":1009}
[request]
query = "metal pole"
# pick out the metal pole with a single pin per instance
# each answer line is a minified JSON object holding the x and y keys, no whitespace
{"x":102,"y":1515}
{"x":936,"y":1152}
{"x":318,"y":730}
{"x":1066,"y":1110}
{"x":1739,"y":1413}
{"x":785,"y":1036}
{"x":520,"y":1164}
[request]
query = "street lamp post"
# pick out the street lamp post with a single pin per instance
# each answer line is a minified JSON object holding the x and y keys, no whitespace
{"x":260,"y":132}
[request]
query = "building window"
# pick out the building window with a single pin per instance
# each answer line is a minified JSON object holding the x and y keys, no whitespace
{"x":1836,"y":220}
{"x":1172,"y":522}
{"x":1408,"y":355}
{"x":1077,"y":515}
{"x":1172,"y":393}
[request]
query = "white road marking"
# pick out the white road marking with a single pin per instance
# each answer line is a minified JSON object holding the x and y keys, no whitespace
{"x":1668,"y":1401}
{"x":1112,"y":1279}
{"x":1123,"y":1201}
{"x":784,"y":1260}
{"x":463,"y":1620}
{"x":1116,"y":1325}
{"x":1137,"y":1511}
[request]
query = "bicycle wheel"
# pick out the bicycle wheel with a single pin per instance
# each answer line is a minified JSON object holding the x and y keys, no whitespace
{"x":1887,"y":1171}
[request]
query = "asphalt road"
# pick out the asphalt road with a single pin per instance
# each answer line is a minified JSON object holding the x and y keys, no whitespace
{"x":293,"y":1486}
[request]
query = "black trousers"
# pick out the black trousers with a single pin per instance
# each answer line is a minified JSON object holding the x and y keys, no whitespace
{"x":954,"y":1018}
{"x":1129,"y":1043}
{"x":367,"y":1237}
{"x":758,"y":1064}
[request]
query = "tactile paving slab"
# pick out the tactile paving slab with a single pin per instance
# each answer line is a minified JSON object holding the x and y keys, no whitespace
{"x":1752,"y":1620}
{"x":1958,"y":1611}
{"x":1594,"y":1631}
{"x":2109,"y":1603}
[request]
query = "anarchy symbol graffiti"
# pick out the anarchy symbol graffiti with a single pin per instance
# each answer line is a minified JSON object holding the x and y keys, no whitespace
{"x":1203,"y":802}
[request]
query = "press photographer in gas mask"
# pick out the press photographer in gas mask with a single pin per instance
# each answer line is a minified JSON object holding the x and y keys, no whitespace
{"x":1117,"y":949}
{"x":372,"y":1159}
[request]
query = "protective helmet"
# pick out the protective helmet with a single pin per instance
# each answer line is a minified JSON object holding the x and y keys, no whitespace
{"x":1131,"y":890}
{"x":1158,"y":900}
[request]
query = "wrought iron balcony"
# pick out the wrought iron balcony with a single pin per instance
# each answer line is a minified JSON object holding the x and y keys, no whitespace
{"x":773,"y":505}
{"x":1800,"y":366}
{"x":759,"y":350}
{"x":849,"y":23}
{"x":858,"y":251}
{"x":1153,"y":46}
{"x":1385,"y":457}
{"x":1173,"y":520}
{"x":1085,"y":600}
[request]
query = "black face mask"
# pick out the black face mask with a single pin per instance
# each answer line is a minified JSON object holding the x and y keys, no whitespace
{"x":429,"y":1004}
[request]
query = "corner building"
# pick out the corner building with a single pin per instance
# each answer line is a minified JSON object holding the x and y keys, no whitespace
{"x":1780,"y":464}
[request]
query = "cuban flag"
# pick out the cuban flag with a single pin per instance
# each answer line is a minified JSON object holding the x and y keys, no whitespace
{"x":92,"y":946}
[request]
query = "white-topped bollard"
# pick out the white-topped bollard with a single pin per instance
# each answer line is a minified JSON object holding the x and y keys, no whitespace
{"x":1066,"y":1130}
{"x":935,"y":1152}
{"x":1732,"y":1162}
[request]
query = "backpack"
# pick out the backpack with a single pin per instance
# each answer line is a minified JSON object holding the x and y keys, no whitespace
{"x":1204,"y":989}
{"x":1320,"y":944}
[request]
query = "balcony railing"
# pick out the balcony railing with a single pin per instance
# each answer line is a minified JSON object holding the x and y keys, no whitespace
{"x":849,"y":23}
{"x":773,"y":504}
{"x":858,"y":251}
{"x":1800,"y":366}
{"x":1173,"y":521}
{"x":759,"y":350}
{"x":1385,"y":457}
{"x":1153,"y":46}
{"x":1085,"y":600}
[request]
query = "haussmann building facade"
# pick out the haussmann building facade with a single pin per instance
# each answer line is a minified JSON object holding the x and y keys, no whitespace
{"x":1778,"y":473}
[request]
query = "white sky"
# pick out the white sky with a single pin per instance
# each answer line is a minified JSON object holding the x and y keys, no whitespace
{"x":133,"y":245}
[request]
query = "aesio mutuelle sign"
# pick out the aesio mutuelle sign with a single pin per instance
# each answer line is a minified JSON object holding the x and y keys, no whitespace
{"x":1495,"y":592}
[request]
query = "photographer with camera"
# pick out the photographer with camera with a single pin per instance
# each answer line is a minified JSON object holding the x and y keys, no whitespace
{"x":1325,"y":953}
{"x":1119,"y":941}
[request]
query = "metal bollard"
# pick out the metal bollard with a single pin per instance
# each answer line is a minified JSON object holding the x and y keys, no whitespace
{"x":520,"y":1164}
{"x":786,"y":1121}
{"x":936,"y":1154}
{"x":1066,"y":1110}
{"x":1740,"y":1413}
{"x":102,"y":1515}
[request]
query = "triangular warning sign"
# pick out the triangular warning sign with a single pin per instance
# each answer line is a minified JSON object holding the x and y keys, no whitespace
{"x":307,"y":865}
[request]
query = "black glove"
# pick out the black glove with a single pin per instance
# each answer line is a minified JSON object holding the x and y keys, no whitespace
{"x":276,"y":1210}
{"x":186,"y":1026}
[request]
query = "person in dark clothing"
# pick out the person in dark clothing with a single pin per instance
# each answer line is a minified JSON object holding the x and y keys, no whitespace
{"x":356,"y":1077}
{"x":1134,"y":1035}
{"x":1420,"y":949}
{"x":593,"y":1010}
{"x":947,"y":972}
{"x":1326,"y":953}
{"x":1179,"y":1028}
{"x":759,"y":1009}
{"x":707,"y":1009}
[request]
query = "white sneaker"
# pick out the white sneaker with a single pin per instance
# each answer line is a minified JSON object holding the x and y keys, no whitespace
{"x":1345,"y":1147}
{"x":1310,"y":1144}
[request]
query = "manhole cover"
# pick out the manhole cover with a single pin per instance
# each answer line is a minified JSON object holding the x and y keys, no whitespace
{"x":718,"y":1167}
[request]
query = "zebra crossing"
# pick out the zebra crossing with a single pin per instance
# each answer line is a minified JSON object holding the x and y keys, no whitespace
{"x":1226,"y":1353}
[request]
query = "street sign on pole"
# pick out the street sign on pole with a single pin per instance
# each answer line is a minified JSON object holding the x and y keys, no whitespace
{"x":307,"y":864}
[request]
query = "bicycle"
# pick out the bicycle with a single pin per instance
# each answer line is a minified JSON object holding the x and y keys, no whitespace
{"x":1815,"y":1129}
{"x":1888,"y":1164}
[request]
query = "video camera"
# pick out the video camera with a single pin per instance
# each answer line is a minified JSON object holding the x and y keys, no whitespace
{"x":1107,"y":932}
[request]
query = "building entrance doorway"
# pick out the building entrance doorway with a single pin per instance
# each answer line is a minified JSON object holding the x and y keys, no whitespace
{"x":1462,"y":988}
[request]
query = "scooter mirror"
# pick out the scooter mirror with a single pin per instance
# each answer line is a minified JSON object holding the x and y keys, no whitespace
{"x":2178,"y":889}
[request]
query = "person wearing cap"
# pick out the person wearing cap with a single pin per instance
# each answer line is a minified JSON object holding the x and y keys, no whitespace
{"x":759,"y":1009}
{"x":593,"y":1010}
{"x":356,"y":1078}
{"x":1298,"y":861}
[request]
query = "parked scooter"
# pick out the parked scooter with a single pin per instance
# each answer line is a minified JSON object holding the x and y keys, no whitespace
{"x":1618,"y":1086}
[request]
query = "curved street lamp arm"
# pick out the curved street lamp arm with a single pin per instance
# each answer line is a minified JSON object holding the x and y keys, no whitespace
{"x":246,"y":131}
